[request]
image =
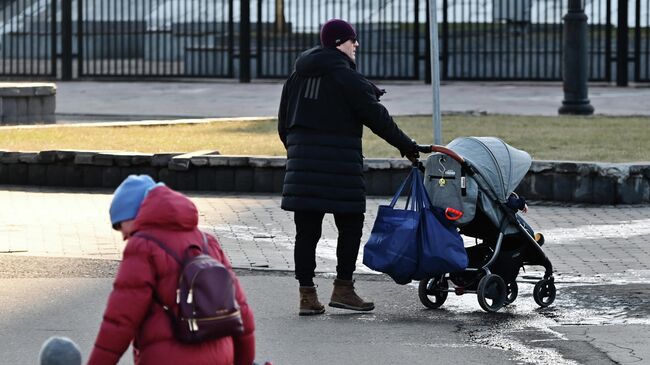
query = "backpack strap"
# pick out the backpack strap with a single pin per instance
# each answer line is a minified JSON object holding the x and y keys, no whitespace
{"x":173,"y":254}
{"x":205,"y":243}
{"x":162,"y":245}
{"x":170,"y":252}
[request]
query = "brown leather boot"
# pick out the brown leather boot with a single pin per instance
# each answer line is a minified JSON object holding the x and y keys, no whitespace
{"x":345,"y":297}
{"x":309,"y":304}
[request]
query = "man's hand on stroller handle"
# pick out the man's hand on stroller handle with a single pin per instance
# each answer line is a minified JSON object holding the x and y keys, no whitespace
{"x":411,"y":153}
{"x":430,"y":148}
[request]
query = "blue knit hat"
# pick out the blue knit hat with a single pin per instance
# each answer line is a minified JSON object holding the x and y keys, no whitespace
{"x":128,"y":197}
{"x":336,"y":32}
{"x":60,"y":351}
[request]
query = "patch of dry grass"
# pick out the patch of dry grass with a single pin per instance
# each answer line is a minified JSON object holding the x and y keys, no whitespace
{"x":545,"y":138}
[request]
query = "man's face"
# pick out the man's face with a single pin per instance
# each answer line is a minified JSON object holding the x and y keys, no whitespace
{"x":349,"y":48}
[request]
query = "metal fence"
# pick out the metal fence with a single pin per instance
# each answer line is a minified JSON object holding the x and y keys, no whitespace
{"x":512,"y":40}
{"x":479,"y":39}
{"x":28,"y":38}
{"x":522,"y":39}
{"x":641,"y":44}
{"x":155,"y":38}
{"x":390,"y":34}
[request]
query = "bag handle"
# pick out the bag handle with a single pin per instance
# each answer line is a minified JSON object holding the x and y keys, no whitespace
{"x":423,"y":197}
{"x":413,"y":197}
{"x":401,"y":189}
{"x":418,"y":185}
{"x":418,"y":196}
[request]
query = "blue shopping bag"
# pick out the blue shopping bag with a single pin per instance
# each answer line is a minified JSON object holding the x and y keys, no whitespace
{"x":417,"y":242}
{"x":393,"y":244}
{"x":440,"y":247}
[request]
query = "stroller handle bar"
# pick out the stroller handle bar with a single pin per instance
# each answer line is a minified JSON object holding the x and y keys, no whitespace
{"x":429,"y":148}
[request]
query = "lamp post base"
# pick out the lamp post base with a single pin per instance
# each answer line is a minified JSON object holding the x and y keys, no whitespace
{"x":575,"y":64}
{"x":576,"y":108}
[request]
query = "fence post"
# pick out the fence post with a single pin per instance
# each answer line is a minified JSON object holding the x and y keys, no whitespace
{"x":80,"y":58}
{"x":445,"y":40}
{"x":637,"y":41}
{"x":574,"y":67}
{"x":427,"y":51}
{"x":245,"y":41}
{"x":53,"y":39}
{"x":66,"y":40}
{"x":416,"y":39}
{"x":622,"y":45}
{"x":608,"y":41}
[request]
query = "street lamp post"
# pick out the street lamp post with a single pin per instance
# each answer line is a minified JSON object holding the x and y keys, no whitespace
{"x":576,"y":100}
{"x":435,"y":72}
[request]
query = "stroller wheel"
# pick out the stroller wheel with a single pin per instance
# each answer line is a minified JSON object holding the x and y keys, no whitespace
{"x":491,"y":293}
{"x":512,"y":289}
{"x":544,"y":292}
{"x":433,"y":292}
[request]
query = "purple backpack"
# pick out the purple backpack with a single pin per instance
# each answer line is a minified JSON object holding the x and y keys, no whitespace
{"x":205,"y":296}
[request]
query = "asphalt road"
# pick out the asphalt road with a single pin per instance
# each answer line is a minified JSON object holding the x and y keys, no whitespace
{"x":591,"y":322}
{"x":111,"y":101}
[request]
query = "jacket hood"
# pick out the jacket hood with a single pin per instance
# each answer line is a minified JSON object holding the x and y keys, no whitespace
{"x":322,"y":60}
{"x":168,"y":209}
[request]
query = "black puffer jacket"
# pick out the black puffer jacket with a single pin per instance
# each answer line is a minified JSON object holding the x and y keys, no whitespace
{"x":325,"y":104}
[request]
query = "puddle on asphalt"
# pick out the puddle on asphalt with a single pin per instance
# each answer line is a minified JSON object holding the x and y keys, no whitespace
{"x":523,"y":327}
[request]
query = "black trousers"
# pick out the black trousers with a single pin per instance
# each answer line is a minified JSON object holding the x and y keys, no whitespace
{"x":309,"y":227}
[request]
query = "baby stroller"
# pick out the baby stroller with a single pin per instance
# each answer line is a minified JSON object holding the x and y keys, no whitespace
{"x":473,"y":179}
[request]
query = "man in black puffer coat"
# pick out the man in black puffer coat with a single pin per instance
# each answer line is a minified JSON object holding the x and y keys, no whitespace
{"x":325,"y":104}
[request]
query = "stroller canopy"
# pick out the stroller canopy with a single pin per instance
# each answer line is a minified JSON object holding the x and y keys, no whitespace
{"x":501,"y":165}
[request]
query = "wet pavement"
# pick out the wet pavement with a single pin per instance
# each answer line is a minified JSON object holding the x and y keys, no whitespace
{"x":58,"y":251}
{"x":588,"y":323}
{"x":601,"y":257}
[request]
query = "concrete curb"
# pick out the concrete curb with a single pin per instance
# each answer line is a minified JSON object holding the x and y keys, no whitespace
{"x":141,"y":123}
{"x":27,"y":103}
{"x":559,"y":181}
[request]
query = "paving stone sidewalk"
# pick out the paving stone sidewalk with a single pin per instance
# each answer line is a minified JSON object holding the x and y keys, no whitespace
{"x":581,"y":240}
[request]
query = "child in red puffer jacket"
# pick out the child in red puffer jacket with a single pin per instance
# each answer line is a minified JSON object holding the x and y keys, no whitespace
{"x":132,"y":314}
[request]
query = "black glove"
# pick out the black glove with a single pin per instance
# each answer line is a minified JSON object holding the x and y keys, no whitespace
{"x":411,"y":153}
{"x":412,"y":156}
{"x":378,"y":92}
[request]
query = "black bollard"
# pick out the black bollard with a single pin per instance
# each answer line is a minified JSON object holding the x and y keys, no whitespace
{"x":66,"y":40}
{"x":576,"y":100}
{"x":245,"y":42}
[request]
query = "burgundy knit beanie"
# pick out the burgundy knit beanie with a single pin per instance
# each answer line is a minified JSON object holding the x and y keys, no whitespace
{"x":336,"y":32}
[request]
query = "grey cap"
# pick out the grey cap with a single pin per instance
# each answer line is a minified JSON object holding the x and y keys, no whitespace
{"x":60,"y":351}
